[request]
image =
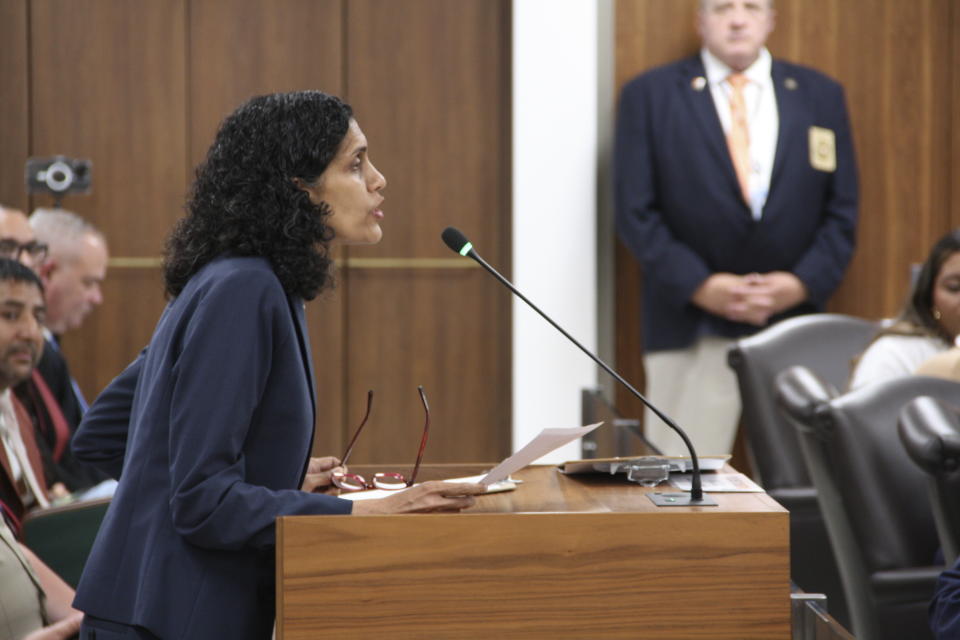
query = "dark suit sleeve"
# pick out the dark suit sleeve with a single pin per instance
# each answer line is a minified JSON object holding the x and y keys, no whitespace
{"x":945,"y":606}
{"x":822,"y":266}
{"x":56,"y":373}
{"x":220,"y":377}
{"x":101,"y":438}
{"x":640,"y":222}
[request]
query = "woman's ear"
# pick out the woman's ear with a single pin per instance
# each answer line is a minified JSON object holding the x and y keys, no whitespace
{"x":312,"y":190}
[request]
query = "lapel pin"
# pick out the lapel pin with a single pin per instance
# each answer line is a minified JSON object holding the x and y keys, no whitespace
{"x":698,"y":83}
{"x":790,"y":84}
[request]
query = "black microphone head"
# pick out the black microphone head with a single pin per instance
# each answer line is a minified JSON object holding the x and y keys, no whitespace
{"x":457,"y":242}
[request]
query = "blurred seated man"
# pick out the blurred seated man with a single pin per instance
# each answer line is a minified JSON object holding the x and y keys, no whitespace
{"x":62,"y":473}
{"x":22,"y":483}
{"x":72,"y":272}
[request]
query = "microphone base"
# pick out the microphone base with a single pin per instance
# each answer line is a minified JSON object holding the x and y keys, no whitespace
{"x":680,"y":500}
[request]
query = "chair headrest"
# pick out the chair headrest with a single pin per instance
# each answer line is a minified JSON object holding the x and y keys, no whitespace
{"x":930,"y":432}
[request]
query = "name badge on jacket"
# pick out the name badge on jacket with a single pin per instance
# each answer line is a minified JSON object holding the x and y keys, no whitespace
{"x":823,"y":149}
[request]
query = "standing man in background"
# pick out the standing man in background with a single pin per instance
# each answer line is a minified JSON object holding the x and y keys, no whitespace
{"x":72,"y":273}
{"x":736,"y":189}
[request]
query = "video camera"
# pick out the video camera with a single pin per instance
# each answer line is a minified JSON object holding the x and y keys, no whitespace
{"x":58,"y":175}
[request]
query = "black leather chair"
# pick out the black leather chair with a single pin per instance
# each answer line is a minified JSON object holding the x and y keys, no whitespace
{"x":872,"y":497}
{"x":827,"y":344}
{"x":930,"y":432}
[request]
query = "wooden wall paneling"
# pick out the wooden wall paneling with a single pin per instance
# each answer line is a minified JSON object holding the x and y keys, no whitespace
{"x":429,"y":82}
{"x":651,"y":33}
{"x":113,"y":335}
{"x":107,"y":84}
{"x":243,"y":48}
{"x":954,"y":75}
{"x":431,"y":327}
{"x":432,"y":97}
{"x":14,"y":105}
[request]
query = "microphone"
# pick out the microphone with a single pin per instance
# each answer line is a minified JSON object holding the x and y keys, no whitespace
{"x":458,"y":243}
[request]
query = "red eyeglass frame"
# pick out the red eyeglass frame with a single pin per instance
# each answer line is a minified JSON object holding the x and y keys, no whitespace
{"x":387,"y":481}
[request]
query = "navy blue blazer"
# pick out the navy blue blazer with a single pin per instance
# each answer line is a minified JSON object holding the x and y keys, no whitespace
{"x":209,"y":431}
{"x":681,"y":213}
{"x":945,"y":605}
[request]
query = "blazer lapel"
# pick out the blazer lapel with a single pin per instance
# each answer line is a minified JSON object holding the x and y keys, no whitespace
{"x":696,"y":92}
{"x":300,"y":321}
{"x":789,"y":114}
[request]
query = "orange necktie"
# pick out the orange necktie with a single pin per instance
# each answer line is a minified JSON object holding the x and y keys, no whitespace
{"x":738,"y":138}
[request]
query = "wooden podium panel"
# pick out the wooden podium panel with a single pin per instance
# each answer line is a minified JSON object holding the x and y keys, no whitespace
{"x":560,"y":557}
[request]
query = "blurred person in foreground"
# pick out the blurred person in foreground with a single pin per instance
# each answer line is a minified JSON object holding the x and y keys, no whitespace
{"x":210,"y":429}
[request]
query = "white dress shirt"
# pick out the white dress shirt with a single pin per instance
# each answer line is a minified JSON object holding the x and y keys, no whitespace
{"x":16,"y":452}
{"x":763,"y":120}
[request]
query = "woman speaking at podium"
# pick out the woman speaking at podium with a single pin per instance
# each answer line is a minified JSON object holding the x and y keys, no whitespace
{"x":210,"y":429}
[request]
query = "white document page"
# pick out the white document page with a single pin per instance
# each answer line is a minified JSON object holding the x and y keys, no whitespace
{"x":545,"y":442}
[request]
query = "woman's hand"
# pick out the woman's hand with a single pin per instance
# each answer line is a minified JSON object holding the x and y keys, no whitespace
{"x":429,"y":497}
{"x":319,"y":476}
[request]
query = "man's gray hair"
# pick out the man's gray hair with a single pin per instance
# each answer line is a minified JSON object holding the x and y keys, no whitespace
{"x":60,"y":228}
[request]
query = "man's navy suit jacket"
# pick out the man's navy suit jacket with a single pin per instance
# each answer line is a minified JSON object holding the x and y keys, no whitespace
{"x":681,"y":213}
{"x":209,"y":432}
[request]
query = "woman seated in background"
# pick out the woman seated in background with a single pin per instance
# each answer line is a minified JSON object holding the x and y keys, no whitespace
{"x":927,"y":325}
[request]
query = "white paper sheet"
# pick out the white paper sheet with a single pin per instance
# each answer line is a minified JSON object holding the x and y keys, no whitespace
{"x":545,"y":442}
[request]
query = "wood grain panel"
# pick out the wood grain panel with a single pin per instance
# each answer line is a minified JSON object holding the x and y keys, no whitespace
{"x":890,"y":58}
{"x":560,"y":557}
{"x":243,"y":48}
{"x":14,"y":114}
{"x":955,"y":109}
{"x":113,"y":334}
{"x":107,"y":84}
{"x":325,"y":323}
{"x":429,"y":82}
{"x":650,"y":33}
{"x":441,"y":329}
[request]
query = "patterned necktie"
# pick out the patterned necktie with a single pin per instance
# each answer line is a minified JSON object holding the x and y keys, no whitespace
{"x":738,"y":138}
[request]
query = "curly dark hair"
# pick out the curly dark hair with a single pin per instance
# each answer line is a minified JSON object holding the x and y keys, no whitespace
{"x":244,"y":201}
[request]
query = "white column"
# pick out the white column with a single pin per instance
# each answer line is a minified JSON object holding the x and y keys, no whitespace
{"x":555,"y":165}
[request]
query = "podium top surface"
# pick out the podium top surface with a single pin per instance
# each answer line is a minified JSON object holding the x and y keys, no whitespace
{"x":543,"y":489}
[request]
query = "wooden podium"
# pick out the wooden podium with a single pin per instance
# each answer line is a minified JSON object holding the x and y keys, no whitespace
{"x":560,"y":557}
